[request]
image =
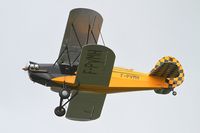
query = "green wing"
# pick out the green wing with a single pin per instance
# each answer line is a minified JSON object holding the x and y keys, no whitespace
{"x":86,"y":106}
{"x":95,"y":68}
{"x":83,"y":27}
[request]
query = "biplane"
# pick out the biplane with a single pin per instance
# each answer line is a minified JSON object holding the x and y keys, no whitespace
{"x":83,"y":73}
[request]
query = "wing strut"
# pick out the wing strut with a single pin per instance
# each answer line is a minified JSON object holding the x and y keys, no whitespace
{"x":102,"y":38}
{"x":92,"y":30}
{"x":73,"y":96}
{"x":76,"y":35}
{"x":68,"y":55}
{"x":94,"y":37}
{"x":88,"y":35}
{"x":76,"y":58}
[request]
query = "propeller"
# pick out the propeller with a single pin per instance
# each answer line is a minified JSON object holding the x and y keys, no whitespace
{"x":26,"y":68}
{"x":30,"y":65}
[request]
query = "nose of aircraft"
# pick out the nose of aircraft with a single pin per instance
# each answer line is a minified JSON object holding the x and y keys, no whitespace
{"x":38,"y":73}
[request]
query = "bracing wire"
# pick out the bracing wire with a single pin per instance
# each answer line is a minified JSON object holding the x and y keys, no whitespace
{"x":102,"y":38}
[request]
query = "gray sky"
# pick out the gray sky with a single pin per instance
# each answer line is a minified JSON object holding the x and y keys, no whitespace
{"x":139,"y":32}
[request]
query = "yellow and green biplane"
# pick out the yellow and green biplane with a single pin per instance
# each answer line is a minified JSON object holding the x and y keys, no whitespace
{"x":83,"y":73}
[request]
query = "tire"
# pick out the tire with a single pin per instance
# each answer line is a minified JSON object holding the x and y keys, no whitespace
{"x":59,"y":111}
{"x":174,"y":93}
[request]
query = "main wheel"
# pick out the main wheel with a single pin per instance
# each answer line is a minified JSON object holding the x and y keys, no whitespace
{"x":64,"y":94}
{"x":59,"y":111}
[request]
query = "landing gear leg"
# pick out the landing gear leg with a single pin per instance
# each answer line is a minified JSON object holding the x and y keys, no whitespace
{"x":64,"y":94}
{"x":60,"y":110}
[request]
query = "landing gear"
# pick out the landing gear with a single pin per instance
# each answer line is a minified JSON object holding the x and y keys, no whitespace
{"x":64,"y":94}
{"x":174,"y":93}
{"x":59,"y":111}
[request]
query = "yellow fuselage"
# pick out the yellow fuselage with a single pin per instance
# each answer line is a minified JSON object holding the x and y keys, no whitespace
{"x":122,"y":80}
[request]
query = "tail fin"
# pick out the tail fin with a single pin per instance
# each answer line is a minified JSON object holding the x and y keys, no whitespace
{"x":169,"y":68}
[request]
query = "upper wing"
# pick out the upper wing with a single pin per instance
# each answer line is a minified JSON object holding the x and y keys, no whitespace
{"x":95,"y":69}
{"x":83,"y":27}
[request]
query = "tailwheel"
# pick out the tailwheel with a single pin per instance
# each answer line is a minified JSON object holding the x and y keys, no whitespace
{"x":174,"y":93}
{"x":64,"y":94}
{"x":59,"y":111}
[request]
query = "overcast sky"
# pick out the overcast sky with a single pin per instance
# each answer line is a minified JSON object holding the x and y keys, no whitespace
{"x":139,"y":31}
